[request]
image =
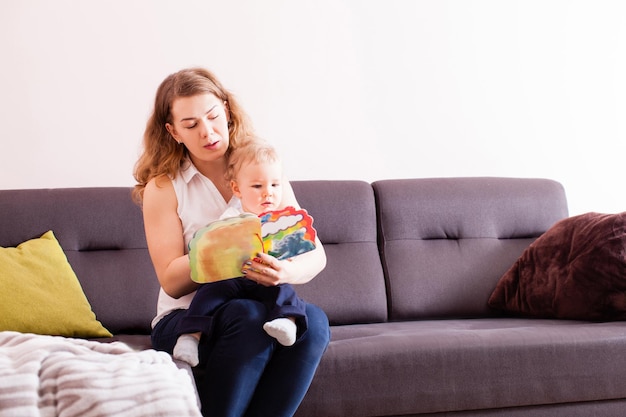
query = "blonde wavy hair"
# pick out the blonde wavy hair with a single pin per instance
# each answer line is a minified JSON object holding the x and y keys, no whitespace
{"x":161,"y":155}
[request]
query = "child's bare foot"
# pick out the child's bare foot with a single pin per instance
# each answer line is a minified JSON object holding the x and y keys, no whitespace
{"x":283,"y":329}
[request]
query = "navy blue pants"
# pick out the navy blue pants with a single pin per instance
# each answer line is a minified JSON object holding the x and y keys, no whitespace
{"x":280,"y":301}
{"x":245,"y":372}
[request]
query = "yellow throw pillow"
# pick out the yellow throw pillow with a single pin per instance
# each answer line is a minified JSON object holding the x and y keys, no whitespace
{"x":39,"y":292}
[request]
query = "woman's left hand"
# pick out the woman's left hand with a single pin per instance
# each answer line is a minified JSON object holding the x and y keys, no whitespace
{"x":267,"y":270}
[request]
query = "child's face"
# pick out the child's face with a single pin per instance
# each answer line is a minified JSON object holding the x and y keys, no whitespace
{"x":259,"y":186}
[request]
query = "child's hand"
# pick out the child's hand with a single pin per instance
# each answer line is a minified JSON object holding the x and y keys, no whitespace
{"x":265,"y":270}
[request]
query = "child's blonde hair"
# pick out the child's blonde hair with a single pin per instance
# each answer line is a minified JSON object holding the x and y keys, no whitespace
{"x":254,"y":151}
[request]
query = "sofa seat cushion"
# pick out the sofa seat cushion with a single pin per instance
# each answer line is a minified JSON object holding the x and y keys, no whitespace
{"x":450,"y":365}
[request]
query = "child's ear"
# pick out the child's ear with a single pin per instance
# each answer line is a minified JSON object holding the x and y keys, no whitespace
{"x":235,"y":187}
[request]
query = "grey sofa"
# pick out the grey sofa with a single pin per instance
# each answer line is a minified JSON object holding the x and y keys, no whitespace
{"x":411,"y":265}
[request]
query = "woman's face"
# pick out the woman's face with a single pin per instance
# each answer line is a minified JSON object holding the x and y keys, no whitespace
{"x":201,"y":124}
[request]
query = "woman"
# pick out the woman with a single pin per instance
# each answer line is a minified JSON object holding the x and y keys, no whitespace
{"x":195,"y":124}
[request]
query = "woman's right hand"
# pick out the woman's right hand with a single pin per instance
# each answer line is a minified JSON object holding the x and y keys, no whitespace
{"x":165,"y":240}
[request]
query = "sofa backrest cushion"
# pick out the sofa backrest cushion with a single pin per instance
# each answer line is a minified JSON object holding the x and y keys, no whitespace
{"x":351,"y":289}
{"x":445,"y":242}
{"x":101,"y":233}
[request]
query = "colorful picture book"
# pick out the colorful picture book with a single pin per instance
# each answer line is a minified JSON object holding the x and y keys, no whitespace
{"x":219,"y":250}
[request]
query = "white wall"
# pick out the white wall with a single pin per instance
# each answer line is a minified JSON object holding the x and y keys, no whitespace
{"x":348,"y":89}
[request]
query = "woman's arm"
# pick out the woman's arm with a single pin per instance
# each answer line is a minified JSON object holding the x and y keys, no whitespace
{"x":164,"y":235}
{"x":297,"y":270}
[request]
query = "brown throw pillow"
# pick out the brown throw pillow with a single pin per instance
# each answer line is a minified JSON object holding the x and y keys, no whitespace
{"x":575,"y":270}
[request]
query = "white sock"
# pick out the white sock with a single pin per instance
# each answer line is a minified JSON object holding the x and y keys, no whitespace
{"x":282,"y":329}
{"x":186,"y":349}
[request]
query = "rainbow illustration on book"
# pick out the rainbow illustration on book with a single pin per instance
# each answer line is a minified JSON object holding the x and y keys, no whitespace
{"x":219,"y":250}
